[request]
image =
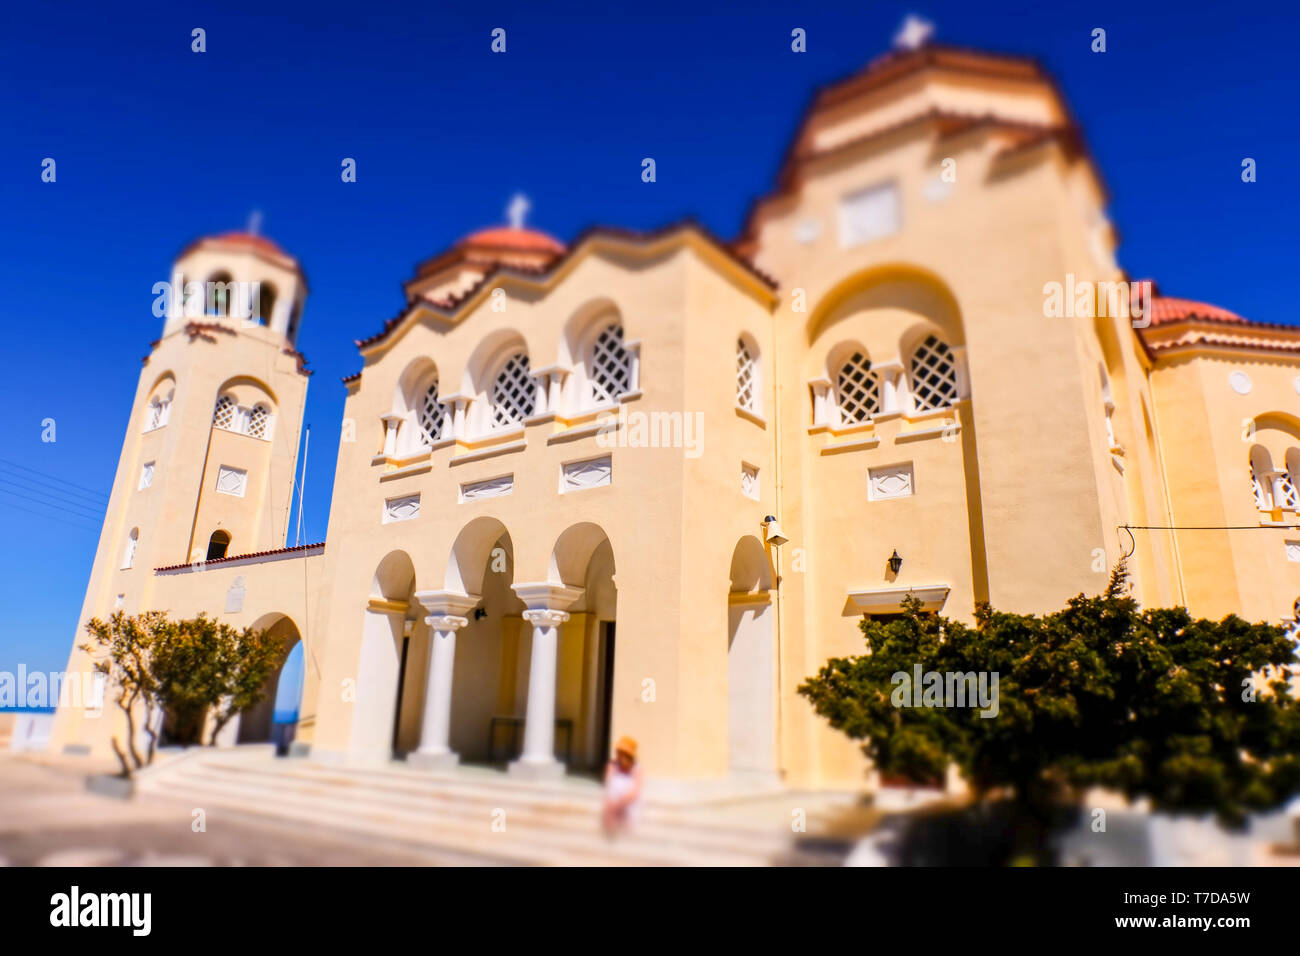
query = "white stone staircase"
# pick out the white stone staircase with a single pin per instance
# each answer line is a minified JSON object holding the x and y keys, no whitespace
{"x":454,"y":814}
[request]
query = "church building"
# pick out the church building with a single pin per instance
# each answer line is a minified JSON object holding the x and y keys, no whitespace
{"x":645,"y":483}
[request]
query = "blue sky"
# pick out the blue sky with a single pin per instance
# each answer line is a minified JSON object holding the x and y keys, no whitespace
{"x":156,"y":145}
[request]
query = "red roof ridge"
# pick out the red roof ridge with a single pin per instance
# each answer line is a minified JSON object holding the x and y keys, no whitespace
{"x":241,"y":557}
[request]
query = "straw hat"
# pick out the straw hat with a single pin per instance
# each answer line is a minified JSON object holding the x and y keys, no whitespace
{"x":626,"y":745}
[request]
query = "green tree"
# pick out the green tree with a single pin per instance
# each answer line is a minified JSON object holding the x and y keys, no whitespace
{"x":185,"y":669}
{"x":121,"y":649}
{"x":1195,"y":715}
{"x":204,"y":666}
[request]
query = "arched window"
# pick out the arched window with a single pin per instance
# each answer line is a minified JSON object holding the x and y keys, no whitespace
{"x":294,"y":316}
{"x":513,"y":392}
{"x":1261,"y":472}
{"x":258,"y":419}
{"x":128,"y":554}
{"x":217,"y":545}
{"x":857,"y":390}
{"x":1108,"y":407}
{"x":219,"y":294}
{"x":154,"y":418}
{"x":747,"y":380}
{"x":223,"y":416}
{"x":934,"y":375}
{"x":1284,"y":482}
{"x":428,"y":414}
{"x":611,"y":368}
{"x":264,"y":308}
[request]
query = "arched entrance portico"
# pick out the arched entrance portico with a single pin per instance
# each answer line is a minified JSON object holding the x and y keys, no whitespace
{"x":751,"y":664}
{"x":583,"y":558}
{"x":258,"y":723}
{"x":379,"y":665}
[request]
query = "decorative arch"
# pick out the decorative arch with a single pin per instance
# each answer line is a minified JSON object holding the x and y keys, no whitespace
{"x":159,"y":407}
{"x":394,"y":578}
{"x":1261,"y":477}
{"x":897,"y":285}
{"x":602,"y":363}
{"x":750,"y":568}
{"x":751,"y":663}
{"x":571,"y":555}
{"x":425,"y":420}
{"x":467,"y":563}
{"x":498,"y":377}
{"x":258,"y":723}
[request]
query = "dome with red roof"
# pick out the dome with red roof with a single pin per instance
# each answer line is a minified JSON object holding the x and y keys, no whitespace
{"x":1165,"y":309}
{"x":513,"y":237}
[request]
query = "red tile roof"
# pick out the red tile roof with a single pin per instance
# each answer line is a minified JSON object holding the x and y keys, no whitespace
{"x":1165,"y":310}
{"x":510,"y":237}
{"x":241,"y":557}
{"x":449,"y":305}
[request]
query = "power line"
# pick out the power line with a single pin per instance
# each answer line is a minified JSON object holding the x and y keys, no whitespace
{"x":61,"y":506}
{"x":42,"y":486}
{"x":1209,"y":527}
{"x":47,"y":477}
{"x":29,"y":511}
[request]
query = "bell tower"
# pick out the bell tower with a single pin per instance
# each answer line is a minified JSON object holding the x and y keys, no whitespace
{"x":209,"y":458}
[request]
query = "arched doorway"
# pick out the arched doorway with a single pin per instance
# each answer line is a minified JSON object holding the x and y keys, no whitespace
{"x":379,"y":667}
{"x":751,"y":663}
{"x":261,"y":723}
{"x":585,"y":677}
{"x":484,"y":682}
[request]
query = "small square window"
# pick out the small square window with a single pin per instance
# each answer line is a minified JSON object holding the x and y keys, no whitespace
{"x":232,"y":481}
{"x":894,"y":481}
{"x":146,"y":475}
{"x":869,"y":214}
{"x":1293,"y":550}
{"x":749,"y":481}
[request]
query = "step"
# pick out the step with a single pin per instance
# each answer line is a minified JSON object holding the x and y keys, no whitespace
{"x":531,"y":839}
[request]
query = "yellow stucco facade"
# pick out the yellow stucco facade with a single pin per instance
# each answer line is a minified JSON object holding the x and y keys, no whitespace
{"x":550,"y":517}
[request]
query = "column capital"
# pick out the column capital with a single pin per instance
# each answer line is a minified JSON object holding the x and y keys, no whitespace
{"x":446,"y":622}
{"x":545,"y":617}
{"x":447,"y":603}
{"x":547,"y":596}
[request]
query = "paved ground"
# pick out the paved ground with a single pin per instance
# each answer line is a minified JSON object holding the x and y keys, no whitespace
{"x":48,"y":818}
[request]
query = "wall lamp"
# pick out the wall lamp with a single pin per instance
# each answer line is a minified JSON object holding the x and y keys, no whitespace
{"x":895,"y":562}
{"x":772,"y":531}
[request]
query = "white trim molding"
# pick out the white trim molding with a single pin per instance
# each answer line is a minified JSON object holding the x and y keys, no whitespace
{"x":890,"y":600}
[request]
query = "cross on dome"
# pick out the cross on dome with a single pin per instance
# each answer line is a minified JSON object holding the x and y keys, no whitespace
{"x":914,"y":33}
{"x":517,"y":210}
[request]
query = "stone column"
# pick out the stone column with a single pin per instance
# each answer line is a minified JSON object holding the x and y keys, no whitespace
{"x":435,"y":751}
{"x":391,"y":423}
{"x":545,"y":613}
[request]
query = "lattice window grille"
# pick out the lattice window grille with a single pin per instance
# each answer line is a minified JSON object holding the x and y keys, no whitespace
{"x":258,"y":419}
{"x":1287,"y":489}
{"x":934,"y":375}
{"x":746,"y":378}
{"x":224,"y":415}
{"x":513,"y":393}
{"x":1260,"y":492}
{"x":429,"y":416}
{"x":859,"y":390}
{"x":611,"y":373}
